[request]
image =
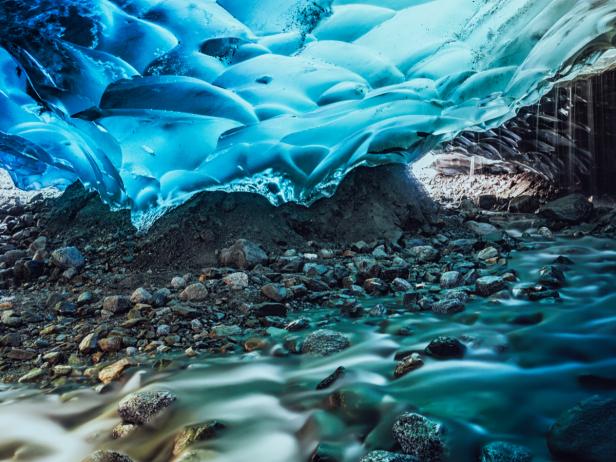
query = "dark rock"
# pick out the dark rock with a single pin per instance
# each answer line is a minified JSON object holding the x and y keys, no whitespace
{"x":107,"y":456}
{"x":501,"y":451}
{"x":488,"y":285}
{"x":487,"y":201}
{"x":262,"y":310}
{"x":298,"y":324}
{"x":408,"y":364}
{"x":196,"y":292}
{"x":325,"y":342}
{"x":331,"y":379}
{"x":524,"y":204}
{"x":448,"y":306}
{"x":445,"y":348}
{"x":141,"y":407}
{"x":65,"y":308}
{"x":551,"y":276}
{"x":573,"y":208}
{"x":386,"y":456}
{"x":585,"y":433}
{"x":450,"y":279}
{"x":68,"y":257}
{"x":424,"y":253}
{"x":420,"y":437}
{"x":243,"y":254}
{"x":117,"y":304}
{"x":275,"y":292}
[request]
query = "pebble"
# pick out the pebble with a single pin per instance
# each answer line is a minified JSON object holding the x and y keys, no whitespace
{"x":243,"y":254}
{"x":424,"y":253}
{"x":450,"y":279}
{"x":141,"y":295}
{"x":178,"y":283}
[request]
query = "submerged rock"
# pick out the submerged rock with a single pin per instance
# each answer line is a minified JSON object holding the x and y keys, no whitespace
{"x":410,"y":363}
{"x":107,"y":456}
{"x":420,"y":437}
{"x":386,"y":456}
{"x":585,"y":433}
{"x":325,"y":342}
{"x":141,"y":407}
{"x":445,"y":348}
{"x":331,"y":379}
{"x":196,"y":433}
{"x":501,"y":451}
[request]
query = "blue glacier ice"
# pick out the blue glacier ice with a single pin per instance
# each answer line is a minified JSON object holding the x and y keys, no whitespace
{"x":150,"y":101}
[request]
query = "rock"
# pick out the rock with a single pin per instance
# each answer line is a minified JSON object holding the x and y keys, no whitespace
{"x":501,"y":451}
{"x":226,"y":331}
{"x":450,"y":279}
{"x":178,"y":283}
{"x":107,"y":456}
{"x":122,"y":430}
{"x":386,"y":456}
{"x":298,"y":324}
{"x":194,"y":293}
{"x":11,"y":256}
{"x":275,"y":292}
{"x":447,"y":306}
{"x":488,"y":285}
{"x":141,"y":295}
{"x":194,"y":434}
{"x":482,"y":229}
{"x":65,"y":308}
{"x":585,"y":433}
{"x":236,"y":281}
{"x":573,"y":208}
{"x":375,"y":286}
{"x":68,"y":257}
{"x":114,"y":371}
{"x":487,"y":201}
{"x":262,"y":310}
{"x":331,"y":379}
{"x":545,"y":233}
{"x":325,"y":342}
{"x":85,"y":298}
{"x":489,"y":253}
{"x":445,"y":348}
{"x":424,"y":253}
{"x":420,"y":437}
{"x":163,"y":330}
{"x":410,"y":363}
{"x":551,"y":276}
{"x":243,"y":254}
{"x":142,"y":407}
{"x":32,"y":375}
{"x":110,"y":344}
{"x":401,"y":285}
{"x":89,"y":343}
{"x":117,"y":304}
{"x":524,"y":204}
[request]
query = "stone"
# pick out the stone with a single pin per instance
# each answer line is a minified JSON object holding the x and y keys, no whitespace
{"x":445,"y":348}
{"x":401,"y":285}
{"x":196,"y":292}
{"x":298,"y":324}
{"x":482,"y":229}
{"x":487,"y":201}
{"x":141,"y":295}
{"x":178,"y":283}
{"x":142,"y":407}
{"x":194,"y":434}
{"x":328,"y":381}
{"x":375,"y":286}
{"x":68,"y":257}
{"x":243,"y":254}
{"x":275,"y":292}
{"x":117,"y":304}
{"x":386,"y":456}
{"x":447,"y":306}
{"x":89,"y":343}
{"x":573,"y":208}
{"x":488,"y":285}
{"x":501,"y":451}
{"x":262,"y":310}
{"x":488,"y":253}
{"x":524,"y":204}
{"x":226,"y":330}
{"x":84,"y":298}
{"x":450,"y":279}
{"x":424,"y":253}
{"x":420,"y":437}
{"x":551,"y":276}
{"x":236,"y":281}
{"x":110,"y":344}
{"x":32,"y":376}
{"x":107,"y":456}
{"x":585,"y":433}
{"x":163,"y":330}
{"x":408,"y":364}
{"x":115,"y":370}
{"x":325,"y":342}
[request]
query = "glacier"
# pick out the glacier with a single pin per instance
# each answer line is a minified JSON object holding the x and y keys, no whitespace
{"x":148,"y":102}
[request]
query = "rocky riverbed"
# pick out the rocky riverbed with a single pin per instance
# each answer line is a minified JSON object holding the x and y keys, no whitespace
{"x":359,"y":321}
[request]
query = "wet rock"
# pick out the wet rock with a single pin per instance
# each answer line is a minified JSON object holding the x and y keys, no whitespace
{"x":585,"y":433}
{"x":194,"y":293}
{"x":123,"y":430}
{"x":488,"y":285}
{"x":32,"y":376}
{"x":386,"y":456}
{"x":424,"y":253}
{"x":450,"y":279}
{"x":68,"y":257}
{"x":85,"y":298}
{"x":489,"y":253}
{"x":325,"y":342}
{"x":141,"y":295}
{"x":445,"y":348}
{"x":420,"y":437}
{"x":194,"y":434}
{"x":115,"y":370}
{"x":331,"y":379}
{"x":141,"y":407}
{"x":487,"y":201}
{"x":551,"y":276}
{"x":107,"y":456}
{"x":275,"y":292}
{"x":501,"y":451}
{"x":110,"y":344}
{"x":236,"y":281}
{"x":375,"y":286}
{"x":262,"y":310}
{"x":243,"y":254}
{"x":117,"y":304}
{"x":412,"y":362}
{"x":447,"y":306}
{"x":298,"y":324}
{"x":401,"y":285}
{"x":226,"y":330}
{"x":573,"y":208}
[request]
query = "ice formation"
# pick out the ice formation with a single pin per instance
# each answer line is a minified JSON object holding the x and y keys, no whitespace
{"x":151,"y":101}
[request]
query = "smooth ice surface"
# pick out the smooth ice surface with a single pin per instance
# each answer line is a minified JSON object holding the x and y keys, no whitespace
{"x":151,"y":101}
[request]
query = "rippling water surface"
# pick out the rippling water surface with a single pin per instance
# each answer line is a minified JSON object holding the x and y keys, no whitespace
{"x":511,"y":385}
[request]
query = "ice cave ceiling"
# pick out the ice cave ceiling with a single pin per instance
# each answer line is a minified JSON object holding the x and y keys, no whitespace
{"x":150,"y":101}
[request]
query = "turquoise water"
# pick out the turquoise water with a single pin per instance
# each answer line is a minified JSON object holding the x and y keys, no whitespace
{"x":511,"y":385}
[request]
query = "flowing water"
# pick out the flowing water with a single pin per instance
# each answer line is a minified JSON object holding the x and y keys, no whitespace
{"x":511,"y":385}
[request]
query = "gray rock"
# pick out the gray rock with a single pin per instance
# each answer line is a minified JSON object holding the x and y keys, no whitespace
{"x":107,"y":456}
{"x":401,"y":285}
{"x":141,"y":295}
{"x":236,"y":281}
{"x":482,"y":229}
{"x":178,"y":282}
{"x":420,"y":437}
{"x":571,"y":209}
{"x":448,"y":306}
{"x":243,"y":254}
{"x":488,"y":253}
{"x":450,"y":279}
{"x":585,"y":433}
{"x":141,"y":407}
{"x":325,"y":342}
{"x":424,"y":253}
{"x":275,"y":292}
{"x":386,"y":456}
{"x":68,"y":257}
{"x":117,"y":304}
{"x":501,"y":451}
{"x":488,"y":285}
{"x":194,"y":293}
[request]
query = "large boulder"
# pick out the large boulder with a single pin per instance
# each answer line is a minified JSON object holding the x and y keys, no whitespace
{"x":243,"y":254}
{"x":420,"y":437}
{"x":586,"y":432}
{"x":571,"y":209}
{"x":142,"y":407}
